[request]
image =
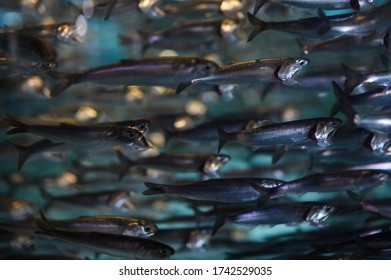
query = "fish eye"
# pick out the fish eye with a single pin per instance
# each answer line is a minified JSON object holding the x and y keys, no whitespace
{"x":141,"y":126}
{"x":302,"y":62}
{"x":147,"y":229}
{"x":49,"y":65}
{"x":164,"y":252}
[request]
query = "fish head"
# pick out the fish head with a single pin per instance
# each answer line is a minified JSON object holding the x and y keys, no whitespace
{"x":23,"y":209}
{"x":72,"y":33}
{"x":203,"y":67}
{"x":142,"y":125}
{"x":121,"y":200}
{"x":368,"y":178}
{"x":150,"y":9}
{"x":139,"y":146}
{"x":317,"y":214}
{"x":48,"y":65}
{"x":380,"y":143}
{"x":290,"y":68}
{"x":140,"y":228}
{"x":215,"y":162}
{"x":23,"y":243}
{"x":229,"y":30}
{"x":325,"y":130}
{"x":198,"y":239}
{"x":125,"y":136}
{"x":153,"y":250}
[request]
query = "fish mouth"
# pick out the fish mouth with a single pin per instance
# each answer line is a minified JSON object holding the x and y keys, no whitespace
{"x":289,"y":70}
{"x":317,"y":215}
{"x":324,"y":133}
{"x":381,"y":143}
{"x":214,"y":163}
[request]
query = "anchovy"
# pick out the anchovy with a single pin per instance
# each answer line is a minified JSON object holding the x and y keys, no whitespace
{"x":380,"y":207}
{"x":80,"y":135}
{"x":207,"y":164}
{"x":120,"y":225}
{"x":353,"y":24}
{"x":190,"y":34}
{"x":237,"y":190}
{"x":166,"y":71}
{"x":17,"y":209}
{"x":319,"y":130}
{"x":123,"y":246}
{"x":333,"y":182}
{"x":312,"y":212}
{"x":282,"y":70}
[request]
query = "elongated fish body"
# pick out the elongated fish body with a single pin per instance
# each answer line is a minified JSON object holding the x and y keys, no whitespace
{"x":80,"y":135}
{"x":375,"y":97}
{"x":153,"y":71}
{"x":376,"y":123}
{"x":317,"y":129}
{"x":334,"y":182}
{"x":238,"y":190}
{"x":352,"y":24}
{"x":312,"y":212}
{"x":123,"y":246}
{"x":259,"y":71}
{"x":174,"y":162}
{"x":382,"y":207}
{"x":120,"y":225}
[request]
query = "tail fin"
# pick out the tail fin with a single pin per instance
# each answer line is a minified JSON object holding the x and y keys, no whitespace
{"x":23,"y":154}
{"x":258,"y":25}
{"x":20,"y":126}
{"x":258,"y":6}
{"x":223,"y":137}
{"x":343,"y":101}
{"x":353,"y":79}
{"x":43,"y":217}
{"x":182,"y":86}
{"x":62,"y":85}
{"x":355,"y":196}
{"x":153,"y":189}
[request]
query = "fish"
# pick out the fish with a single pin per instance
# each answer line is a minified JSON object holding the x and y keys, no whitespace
{"x":166,"y":71}
{"x":190,"y":34}
{"x":380,"y":207}
{"x":82,"y":136}
{"x":207,"y":164}
{"x":319,"y":130}
{"x":280,"y":70}
{"x":333,"y":182}
{"x":312,"y":212}
{"x":230,"y":190}
{"x":120,"y":225}
{"x":17,"y":209}
{"x":363,"y":23}
{"x":123,"y":246}
{"x":318,"y":4}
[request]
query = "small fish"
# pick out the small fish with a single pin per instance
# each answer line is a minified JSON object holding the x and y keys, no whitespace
{"x":281,"y":70}
{"x":380,"y":207}
{"x":80,"y":135}
{"x":120,"y":225}
{"x":166,"y":71}
{"x":333,"y":182}
{"x":312,"y":212}
{"x":17,"y":209}
{"x":237,"y":190}
{"x":128,"y":247}
{"x":207,"y":164}
{"x":319,"y":130}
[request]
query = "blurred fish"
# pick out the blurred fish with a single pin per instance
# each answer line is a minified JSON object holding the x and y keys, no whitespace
{"x":80,"y":135}
{"x":319,"y":130}
{"x":166,"y":71}
{"x":123,"y":246}
{"x":279,"y":70}
{"x":17,"y":209}
{"x":120,"y":225}
{"x":381,"y":207}
{"x":233,"y":190}
{"x":206,"y":164}
{"x":333,"y":182}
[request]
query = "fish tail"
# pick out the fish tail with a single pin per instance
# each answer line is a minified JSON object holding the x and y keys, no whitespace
{"x":20,"y":127}
{"x":153,"y":189}
{"x":258,"y":6}
{"x":223,"y":137}
{"x":182,"y":86}
{"x":67,"y":81}
{"x":259,"y":26}
{"x":125,"y":163}
{"x":144,"y":40}
{"x":23,"y":154}
{"x":353,"y":79}
{"x":344,"y":104}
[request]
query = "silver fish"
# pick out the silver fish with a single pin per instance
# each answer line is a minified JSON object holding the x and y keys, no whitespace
{"x":380,"y":207}
{"x":281,"y":70}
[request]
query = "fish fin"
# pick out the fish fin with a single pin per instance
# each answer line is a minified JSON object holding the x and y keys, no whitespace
{"x":144,"y":40}
{"x":23,"y":154}
{"x":278,"y":153}
{"x":223,"y":137}
{"x":153,"y":189}
{"x":220,"y":221}
{"x":62,"y":85}
{"x":355,"y":5}
{"x":258,"y":6}
{"x":365,"y":5}
{"x":386,"y":61}
{"x":182,"y":86}
{"x":43,"y":217}
{"x":353,"y":79}
{"x":334,"y":109}
{"x":265,"y":193}
{"x":20,"y":127}
{"x":110,"y":9}
{"x":45,"y":194}
{"x":268,"y":87}
{"x":258,"y":25}
{"x":124,"y":163}
{"x":325,"y":26}
{"x":343,"y":101}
